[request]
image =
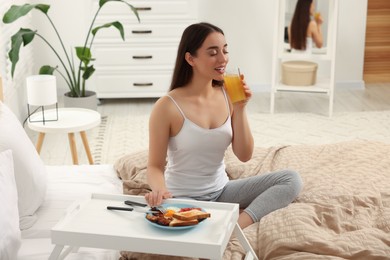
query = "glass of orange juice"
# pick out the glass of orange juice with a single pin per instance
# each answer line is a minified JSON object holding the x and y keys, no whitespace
{"x":233,"y":84}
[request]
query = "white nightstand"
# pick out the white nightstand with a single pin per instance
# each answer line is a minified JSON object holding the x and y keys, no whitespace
{"x":70,"y":120}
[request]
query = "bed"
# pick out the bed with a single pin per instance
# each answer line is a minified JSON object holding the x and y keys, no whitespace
{"x":343,"y":212}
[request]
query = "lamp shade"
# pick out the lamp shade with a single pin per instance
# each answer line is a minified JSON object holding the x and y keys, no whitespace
{"x":41,"y":90}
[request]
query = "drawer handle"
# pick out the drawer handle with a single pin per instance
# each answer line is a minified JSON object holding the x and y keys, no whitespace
{"x":143,"y":57}
{"x":143,"y":8}
{"x":142,"y":84}
{"x":141,"y":31}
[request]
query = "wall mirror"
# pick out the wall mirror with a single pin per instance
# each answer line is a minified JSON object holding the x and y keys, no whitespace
{"x":321,"y":6}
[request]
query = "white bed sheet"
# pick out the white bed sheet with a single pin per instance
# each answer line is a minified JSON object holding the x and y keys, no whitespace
{"x":67,"y":184}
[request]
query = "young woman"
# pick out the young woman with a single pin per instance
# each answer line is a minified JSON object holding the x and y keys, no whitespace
{"x":195,"y":123}
{"x":303,"y":30}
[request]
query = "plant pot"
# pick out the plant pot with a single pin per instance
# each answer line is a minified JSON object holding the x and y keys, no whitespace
{"x":88,"y":102}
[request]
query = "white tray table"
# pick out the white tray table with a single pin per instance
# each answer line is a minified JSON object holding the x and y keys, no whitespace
{"x":90,"y":224}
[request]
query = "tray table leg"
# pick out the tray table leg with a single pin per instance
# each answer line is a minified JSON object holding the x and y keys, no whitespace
{"x":67,"y":251}
{"x":250,"y":254}
{"x":56,"y":252}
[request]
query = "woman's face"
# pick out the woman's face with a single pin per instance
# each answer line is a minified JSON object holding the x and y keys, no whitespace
{"x":212,"y":57}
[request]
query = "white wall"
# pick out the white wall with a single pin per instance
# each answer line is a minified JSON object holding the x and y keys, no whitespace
{"x":249,"y":32}
{"x":248,"y":26}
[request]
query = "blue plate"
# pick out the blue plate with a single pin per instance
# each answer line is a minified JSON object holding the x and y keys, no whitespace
{"x":176,"y":205}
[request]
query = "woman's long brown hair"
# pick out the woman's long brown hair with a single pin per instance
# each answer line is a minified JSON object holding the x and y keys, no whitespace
{"x":191,"y":40}
{"x":299,"y":25}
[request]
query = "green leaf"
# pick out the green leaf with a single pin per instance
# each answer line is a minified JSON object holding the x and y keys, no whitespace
{"x":47,"y":70}
{"x":23,"y":36}
{"x":103,"y":2}
{"x":43,"y":8}
{"x":17,"y":11}
{"x":88,"y":72}
{"x":116,"y":24}
{"x":133,"y":9}
{"x":84,"y":54}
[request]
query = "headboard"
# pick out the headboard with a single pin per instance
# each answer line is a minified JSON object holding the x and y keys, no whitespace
{"x":1,"y":89}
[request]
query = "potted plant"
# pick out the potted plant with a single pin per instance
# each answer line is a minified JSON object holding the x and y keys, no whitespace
{"x":75,"y":74}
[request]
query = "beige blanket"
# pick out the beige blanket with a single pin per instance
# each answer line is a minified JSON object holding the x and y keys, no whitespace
{"x":343,"y":211}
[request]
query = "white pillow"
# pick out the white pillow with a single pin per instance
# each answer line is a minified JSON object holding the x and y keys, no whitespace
{"x":10,"y":239}
{"x":30,"y":172}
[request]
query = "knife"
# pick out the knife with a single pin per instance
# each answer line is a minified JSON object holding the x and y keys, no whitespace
{"x":140,"y":210}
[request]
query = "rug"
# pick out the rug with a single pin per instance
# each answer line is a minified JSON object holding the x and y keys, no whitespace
{"x":120,"y":135}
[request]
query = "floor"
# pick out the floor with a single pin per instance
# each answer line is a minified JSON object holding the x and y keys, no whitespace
{"x":375,"y":97}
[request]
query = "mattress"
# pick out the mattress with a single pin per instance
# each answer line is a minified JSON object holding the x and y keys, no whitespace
{"x":66,"y":185}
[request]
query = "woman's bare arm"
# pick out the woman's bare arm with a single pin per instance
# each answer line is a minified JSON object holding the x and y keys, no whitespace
{"x":159,"y":131}
{"x":242,"y":143}
{"x":316,"y":33}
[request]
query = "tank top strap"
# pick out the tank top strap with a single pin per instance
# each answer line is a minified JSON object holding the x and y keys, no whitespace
{"x":226,"y":99}
{"x":174,"y":102}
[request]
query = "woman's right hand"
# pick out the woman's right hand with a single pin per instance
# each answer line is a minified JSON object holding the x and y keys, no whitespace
{"x":318,"y":18}
{"x":155,"y":198}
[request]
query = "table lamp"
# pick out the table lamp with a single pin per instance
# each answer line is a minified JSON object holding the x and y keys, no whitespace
{"x":41,"y":92}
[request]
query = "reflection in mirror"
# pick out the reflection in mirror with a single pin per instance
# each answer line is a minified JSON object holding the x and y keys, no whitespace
{"x":310,"y":40}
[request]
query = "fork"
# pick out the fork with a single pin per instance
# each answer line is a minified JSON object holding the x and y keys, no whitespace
{"x":134,"y":203}
{"x":160,"y":208}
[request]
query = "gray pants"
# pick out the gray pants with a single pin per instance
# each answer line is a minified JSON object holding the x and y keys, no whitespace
{"x":262,"y":194}
{"x":259,"y":195}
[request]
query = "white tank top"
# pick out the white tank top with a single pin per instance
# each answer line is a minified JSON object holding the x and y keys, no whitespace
{"x":196,"y":158}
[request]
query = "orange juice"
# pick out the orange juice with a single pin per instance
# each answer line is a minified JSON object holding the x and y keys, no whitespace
{"x":234,"y":87}
{"x":317,"y":15}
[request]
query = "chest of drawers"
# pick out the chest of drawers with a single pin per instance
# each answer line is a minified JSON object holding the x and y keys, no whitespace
{"x":142,"y":65}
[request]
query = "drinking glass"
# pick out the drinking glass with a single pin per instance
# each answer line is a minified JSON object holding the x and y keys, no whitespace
{"x":317,"y":15}
{"x":233,"y":85}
